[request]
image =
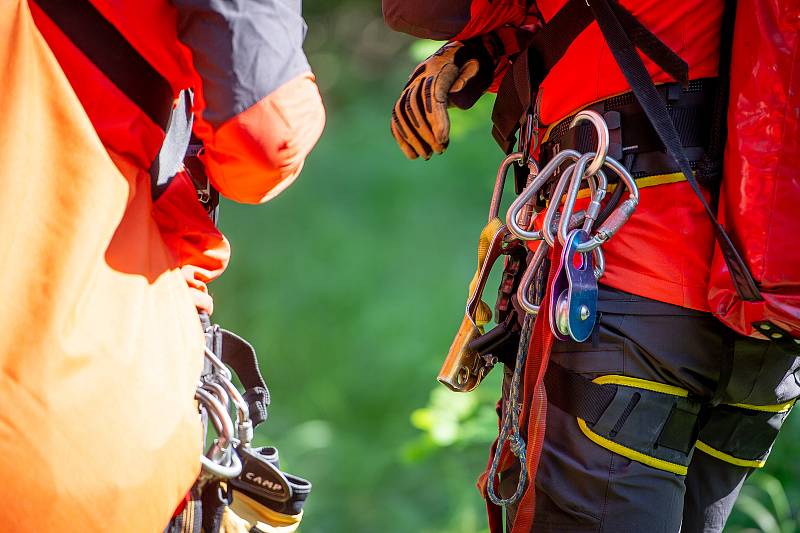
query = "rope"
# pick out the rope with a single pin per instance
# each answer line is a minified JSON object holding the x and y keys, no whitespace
{"x":511,"y":424}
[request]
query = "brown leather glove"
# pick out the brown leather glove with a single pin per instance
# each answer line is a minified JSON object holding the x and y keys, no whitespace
{"x":456,"y":74}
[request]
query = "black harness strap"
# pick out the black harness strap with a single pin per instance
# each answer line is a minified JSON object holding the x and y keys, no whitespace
{"x":642,"y":86}
{"x":576,"y":394}
{"x":105,"y":46}
{"x":623,"y":33}
{"x":583,"y":398}
{"x":548,"y":46}
{"x":241,"y":357}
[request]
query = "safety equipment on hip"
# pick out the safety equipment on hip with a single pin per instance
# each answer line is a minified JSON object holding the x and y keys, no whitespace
{"x":458,"y":73}
{"x":240,"y":488}
{"x":755,"y":280}
{"x":466,"y":364}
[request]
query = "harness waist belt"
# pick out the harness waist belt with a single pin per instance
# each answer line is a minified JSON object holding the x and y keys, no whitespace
{"x":635,"y":143}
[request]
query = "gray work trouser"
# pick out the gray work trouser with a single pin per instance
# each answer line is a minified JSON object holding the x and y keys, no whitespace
{"x":581,"y":486}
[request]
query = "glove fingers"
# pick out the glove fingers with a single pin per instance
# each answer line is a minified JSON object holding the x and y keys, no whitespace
{"x":407,"y":129}
{"x":400,"y":138}
{"x":419,"y":112}
{"x":439,"y":99}
{"x":467,"y":72}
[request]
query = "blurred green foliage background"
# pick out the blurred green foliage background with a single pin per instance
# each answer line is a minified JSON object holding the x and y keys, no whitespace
{"x":351,"y":285}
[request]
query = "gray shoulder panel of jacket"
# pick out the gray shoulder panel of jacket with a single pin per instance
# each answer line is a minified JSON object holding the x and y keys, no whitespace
{"x":427,"y":19}
{"x":242,"y":49}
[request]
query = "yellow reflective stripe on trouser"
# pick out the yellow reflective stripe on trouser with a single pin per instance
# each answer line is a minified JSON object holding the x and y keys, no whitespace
{"x":722,"y":456}
{"x":777,"y":408}
{"x":619,"y":449}
{"x":772,"y":410}
{"x":638,"y":383}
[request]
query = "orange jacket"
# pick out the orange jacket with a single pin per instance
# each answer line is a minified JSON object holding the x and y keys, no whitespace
{"x":257,"y":109}
{"x":664,"y":251}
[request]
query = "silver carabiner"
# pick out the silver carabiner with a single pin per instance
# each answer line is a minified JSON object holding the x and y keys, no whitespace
{"x":217,"y":363}
{"x":524,"y":199}
{"x":621,"y":214}
{"x":244,"y":426}
{"x":553,"y":208}
{"x":578,"y":175}
{"x":227,"y":471}
{"x":500,"y":180}
{"x":218,"y":414}
{"x":598,"y":186}
{"x":218,"y":391}
{"x":603,"y":137}
{"x":523,"y":291}
{"x":221,"y":459}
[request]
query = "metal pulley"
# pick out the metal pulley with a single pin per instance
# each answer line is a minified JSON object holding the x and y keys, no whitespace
{"x":573,"y":310}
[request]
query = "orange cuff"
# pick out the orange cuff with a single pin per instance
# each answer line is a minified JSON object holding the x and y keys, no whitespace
{"x":259,"y":152}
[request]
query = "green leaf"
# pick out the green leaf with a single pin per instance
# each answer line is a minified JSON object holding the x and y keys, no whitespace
{"x":777,"y":495}
{"x":758,"y":513}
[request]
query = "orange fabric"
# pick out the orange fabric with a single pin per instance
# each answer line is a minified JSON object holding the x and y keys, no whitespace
{"x":664,"y":252}
{"x":251,"y":163}
{"x":251,"y":158}
{"x":101,"y":346}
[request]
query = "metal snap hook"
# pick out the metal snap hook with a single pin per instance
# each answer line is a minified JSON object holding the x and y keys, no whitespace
{"x":218,"y":391}
{"x":244,"y":426}
{"x":549,"y":170}
{"x":217,"y":363}
{"x":500,"y":180}
{"x":218,"y":414}
{"x":525,"y":284}
{"x":621,"y":214}
{"x":603,"y":137}
{"x":555,"y":201}
{"x":226,"y":471}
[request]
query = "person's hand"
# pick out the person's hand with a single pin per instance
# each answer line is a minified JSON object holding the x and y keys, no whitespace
{"x":458,"y":74}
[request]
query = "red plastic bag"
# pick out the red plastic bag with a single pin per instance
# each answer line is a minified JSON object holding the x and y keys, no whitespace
{"x":760,"y":197}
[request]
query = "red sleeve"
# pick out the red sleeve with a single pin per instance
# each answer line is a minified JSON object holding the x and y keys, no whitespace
{"x":486,"y":16}
{"x":509,"y":20}
{"x":201,"y":251}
